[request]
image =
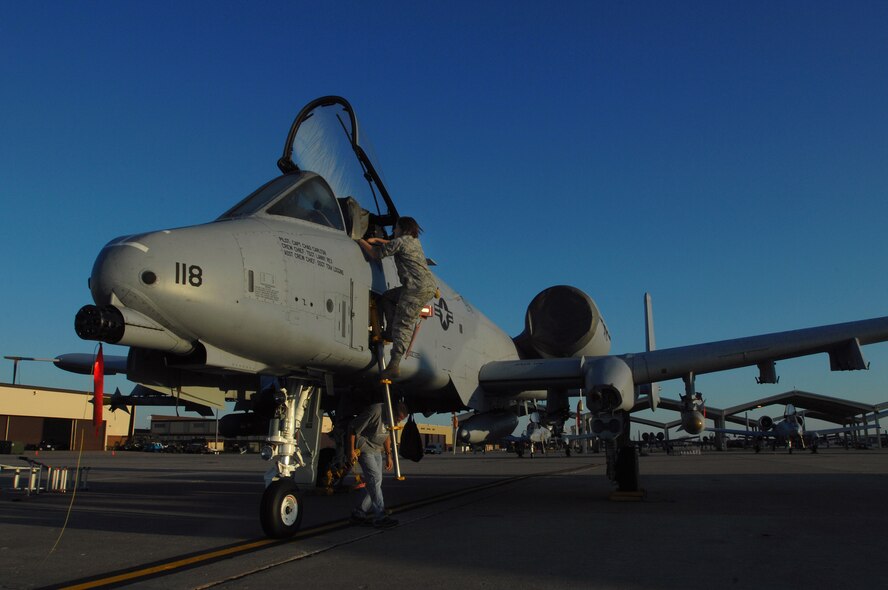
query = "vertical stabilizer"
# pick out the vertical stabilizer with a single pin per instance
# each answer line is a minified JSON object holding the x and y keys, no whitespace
{"x":651,"y":389}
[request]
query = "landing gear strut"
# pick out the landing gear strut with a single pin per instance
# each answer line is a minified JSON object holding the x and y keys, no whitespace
{"x":626,"y":469}
{"x":292,"y":447}
{"x":622,"y":456}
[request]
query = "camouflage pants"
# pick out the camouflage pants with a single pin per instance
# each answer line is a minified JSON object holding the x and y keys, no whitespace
{"x":406,"y":313}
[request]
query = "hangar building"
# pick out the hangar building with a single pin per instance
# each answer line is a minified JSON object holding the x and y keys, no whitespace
{"x":31,"y":415}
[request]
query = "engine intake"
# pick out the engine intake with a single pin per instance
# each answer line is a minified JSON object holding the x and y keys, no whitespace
{"x":563,"y":321}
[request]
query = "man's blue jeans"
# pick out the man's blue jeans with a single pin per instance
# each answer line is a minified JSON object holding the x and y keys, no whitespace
{"x":372,"y":505}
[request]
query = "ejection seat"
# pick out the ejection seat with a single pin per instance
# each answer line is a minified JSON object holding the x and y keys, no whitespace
{"x":357,"y":219}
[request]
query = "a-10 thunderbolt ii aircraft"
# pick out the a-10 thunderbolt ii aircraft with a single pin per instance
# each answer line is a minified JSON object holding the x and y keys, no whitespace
{"x":277,"y":287}
{"x":790,"y":430}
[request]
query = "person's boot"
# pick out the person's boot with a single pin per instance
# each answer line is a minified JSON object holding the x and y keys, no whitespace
{"x":392,"y":371}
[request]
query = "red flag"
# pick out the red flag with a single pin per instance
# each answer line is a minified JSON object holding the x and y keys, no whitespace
{"x":98,"y":389}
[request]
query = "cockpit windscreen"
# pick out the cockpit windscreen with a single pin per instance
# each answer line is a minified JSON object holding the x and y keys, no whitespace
{"x":326,"y":141}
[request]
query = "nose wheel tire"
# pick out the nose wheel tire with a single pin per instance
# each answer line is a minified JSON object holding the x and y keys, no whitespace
{"x":281,"y":509}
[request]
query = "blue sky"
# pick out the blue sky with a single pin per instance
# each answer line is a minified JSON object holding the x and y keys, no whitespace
{"x":729,"y":157}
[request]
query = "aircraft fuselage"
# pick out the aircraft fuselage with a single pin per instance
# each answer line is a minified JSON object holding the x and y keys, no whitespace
{"x":279,"y":297}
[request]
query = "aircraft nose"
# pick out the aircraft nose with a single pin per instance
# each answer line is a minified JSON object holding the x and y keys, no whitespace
{"x":118,"y":270}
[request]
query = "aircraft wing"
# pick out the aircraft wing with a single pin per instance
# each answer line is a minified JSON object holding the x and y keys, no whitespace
{"x":841,"y":341}
{"x":192,"y":398}
{"x":573,"y":437}
{"x":749,"y":433}
{"x":837,"y":430}
{"x":514,"y":439}
{"x":143,"y":396}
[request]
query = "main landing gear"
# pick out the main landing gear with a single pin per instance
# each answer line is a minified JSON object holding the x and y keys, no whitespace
{"x":622,"y":456}
{"x":626,"y":469}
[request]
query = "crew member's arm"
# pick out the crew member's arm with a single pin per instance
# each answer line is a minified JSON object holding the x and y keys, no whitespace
{"x":358,"y":424}
{"x":352,"y":453}
{"x":368,"y":249}
{"x":388,"y":454}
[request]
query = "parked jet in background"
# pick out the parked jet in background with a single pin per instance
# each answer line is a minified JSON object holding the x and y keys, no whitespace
{"x":535,"y":436}
{"x":789,"y":431}
{"x":277,"y":288}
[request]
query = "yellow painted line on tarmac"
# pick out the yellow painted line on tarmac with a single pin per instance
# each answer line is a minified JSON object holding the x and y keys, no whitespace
{"x":168,"y":567}
{"x":171,"y":565}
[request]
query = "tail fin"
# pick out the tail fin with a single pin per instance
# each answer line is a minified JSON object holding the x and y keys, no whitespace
{"x":651,"y":389}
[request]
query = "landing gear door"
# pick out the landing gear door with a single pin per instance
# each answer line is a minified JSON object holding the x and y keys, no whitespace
{"x":309,"y":441}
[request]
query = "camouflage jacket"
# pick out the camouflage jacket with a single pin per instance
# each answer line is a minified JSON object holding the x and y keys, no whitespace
{"x":411,"y":263}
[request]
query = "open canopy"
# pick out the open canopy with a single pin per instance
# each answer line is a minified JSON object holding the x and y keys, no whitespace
{"x":325,"y":139}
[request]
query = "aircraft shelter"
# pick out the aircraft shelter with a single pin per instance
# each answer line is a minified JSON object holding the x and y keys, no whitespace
{"x":841,"y":412}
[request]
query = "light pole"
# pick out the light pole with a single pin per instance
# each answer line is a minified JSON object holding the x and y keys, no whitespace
{"x":15,"y":363}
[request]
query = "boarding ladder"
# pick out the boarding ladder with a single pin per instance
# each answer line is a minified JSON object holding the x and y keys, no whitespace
{"x":378,"y":339}
{"x":386,"y":383}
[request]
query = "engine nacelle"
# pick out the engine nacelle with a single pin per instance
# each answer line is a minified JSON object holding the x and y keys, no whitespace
{"x":692,"y":421}
{"x":126,"y":327}
{"x":487,"y":426}
{"x":766,"y":423}
{"x":609,"y":385}
{"x":563,"y":322}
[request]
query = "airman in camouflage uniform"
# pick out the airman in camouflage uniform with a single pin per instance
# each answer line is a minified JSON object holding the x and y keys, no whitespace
{"x":417,"y":285}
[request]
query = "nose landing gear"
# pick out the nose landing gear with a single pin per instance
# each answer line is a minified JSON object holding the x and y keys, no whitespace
{"x":292,"y":445}
{"x":281,"y":509}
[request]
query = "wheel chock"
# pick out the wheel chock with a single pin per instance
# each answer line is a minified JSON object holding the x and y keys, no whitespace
{"x":636,"y":496}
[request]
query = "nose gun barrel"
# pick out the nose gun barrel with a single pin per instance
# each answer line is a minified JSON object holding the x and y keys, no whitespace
{"x":126,"y":327}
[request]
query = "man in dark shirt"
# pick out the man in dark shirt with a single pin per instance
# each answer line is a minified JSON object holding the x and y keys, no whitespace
{"x":368,"y":439}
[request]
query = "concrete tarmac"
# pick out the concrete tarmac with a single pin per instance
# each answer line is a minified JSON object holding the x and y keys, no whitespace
{"x":725,"y":519}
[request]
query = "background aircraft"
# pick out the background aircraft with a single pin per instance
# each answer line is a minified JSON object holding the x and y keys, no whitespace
{"x":277,"y":288}
{"x":789,"y":431}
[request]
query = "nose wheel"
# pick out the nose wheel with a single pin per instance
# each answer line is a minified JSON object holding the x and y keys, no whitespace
{"x":281,"y":509}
